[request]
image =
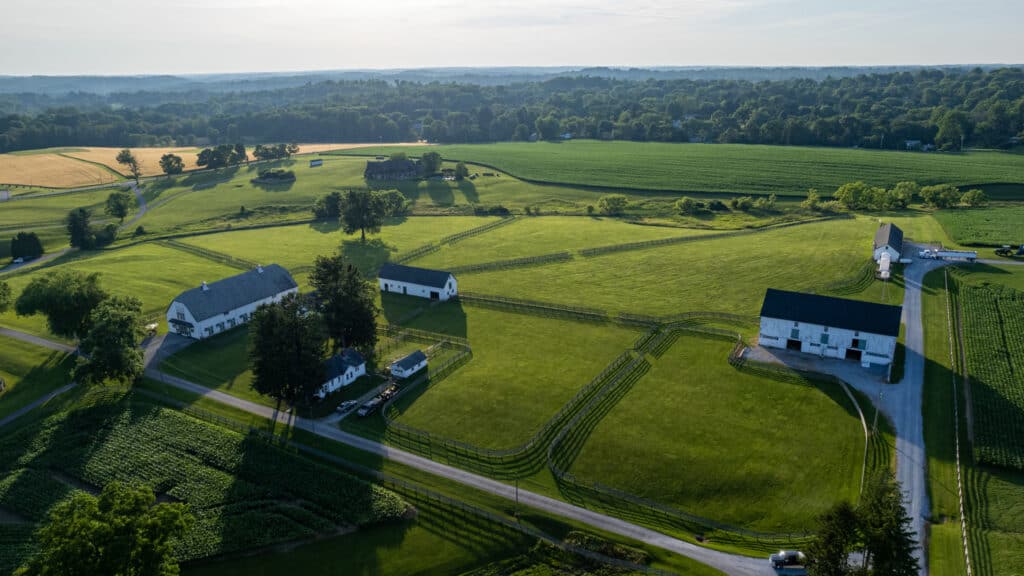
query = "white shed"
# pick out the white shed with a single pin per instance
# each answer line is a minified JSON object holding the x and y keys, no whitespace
{"x":422,"y":282}
{"x":213,"y":308}
{"x":409,"y":365}
{"x":341,"y":370}
{"x":888,"y":240}
{"x":830,"y":327}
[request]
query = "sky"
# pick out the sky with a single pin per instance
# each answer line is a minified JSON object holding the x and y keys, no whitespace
{"x":58,"y":37}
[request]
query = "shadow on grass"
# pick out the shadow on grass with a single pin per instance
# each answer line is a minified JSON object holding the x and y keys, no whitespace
{"x":468,"y":190}
{"x":367,"y":256}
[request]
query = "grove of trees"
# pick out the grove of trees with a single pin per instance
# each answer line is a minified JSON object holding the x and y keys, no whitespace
{"x":26,"y":245}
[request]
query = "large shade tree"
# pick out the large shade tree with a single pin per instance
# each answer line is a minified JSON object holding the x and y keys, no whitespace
{"x":286,"y":350}
{"x":111,"y":345}
{"x":347,"y":303}
{"x":67,"y":299}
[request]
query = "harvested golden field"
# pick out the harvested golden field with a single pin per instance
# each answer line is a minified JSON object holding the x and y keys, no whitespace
{"x":50,"y":170}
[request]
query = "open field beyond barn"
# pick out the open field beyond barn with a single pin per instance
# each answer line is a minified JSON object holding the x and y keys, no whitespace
{"x":51,"y":170}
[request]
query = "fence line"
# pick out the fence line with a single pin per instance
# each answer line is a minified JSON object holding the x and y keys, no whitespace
{"x":451,"y":239}
{"x":535,"y":307}
{"x":208,"y":254}
{"x":956,"y":418}
{"x":513,"y":263}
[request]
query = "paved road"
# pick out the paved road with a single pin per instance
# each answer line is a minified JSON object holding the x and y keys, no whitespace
{"x":29,"y":407}
{"x":41,"y":260}
{"x":42,"y":342}
{"x":142,"y":206}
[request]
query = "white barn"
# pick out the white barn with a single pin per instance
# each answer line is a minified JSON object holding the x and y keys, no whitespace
{"x":888,"y":240}
{"x":214,"y":308}
{"x":341,"y":370}
{"x":422,"y":282}
{"x":409,"y":365}
{"x":830,"y":327}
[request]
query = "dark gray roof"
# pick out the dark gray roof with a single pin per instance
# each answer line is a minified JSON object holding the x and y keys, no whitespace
{"x":410,"y":361}
{"x":340,"y":363}
{"x":834,"y":312}
{"x":412,"y":275}
{"x":391,"y":167}
{"x":237,"y":291}
{"x":889,"y":234}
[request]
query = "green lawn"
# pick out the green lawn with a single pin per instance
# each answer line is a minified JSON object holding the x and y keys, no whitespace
{"x":524,"y":368}
{"x":45,"y":216}
{"x":736,"y":168}
{"x":699,"y":435}
{"x":30,"y":372}
{"x":723,"y":275}
{"x":994,"y":226}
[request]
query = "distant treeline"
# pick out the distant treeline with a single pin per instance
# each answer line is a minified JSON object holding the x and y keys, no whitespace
{"x":934,"y":106}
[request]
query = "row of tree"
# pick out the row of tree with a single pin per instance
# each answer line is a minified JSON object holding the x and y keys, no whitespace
{"x":944,"y":107}
{"x":360,"y":210}
{"x":860,"y":196}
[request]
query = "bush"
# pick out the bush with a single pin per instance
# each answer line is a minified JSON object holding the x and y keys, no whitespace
{"x":276,"y":175}
{"x":717,"y":206}
{"x":26,"y":245}
{"x":107,"y":235}
{"x":613,"y":204}
{"x":328,"y":207}
{"x":765,"y":202}
{"x":687,"y":205}
{"x":497,"y":210}
{"x":590,"y":209}
{"x":743,"y":203}
{"x":974,"y":198}
{"x":139,"y":230}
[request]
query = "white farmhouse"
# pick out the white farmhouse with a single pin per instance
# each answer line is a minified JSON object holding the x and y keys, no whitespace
{"x":888,"y":240}
{"x":213,"y":308}
{"x":409,"y":365}
{"x":830,"y":327}
{"x":341,"y":370}
{"x":433,"y":284}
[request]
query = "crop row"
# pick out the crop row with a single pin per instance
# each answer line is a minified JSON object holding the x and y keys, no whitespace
{"x":31,"y":493}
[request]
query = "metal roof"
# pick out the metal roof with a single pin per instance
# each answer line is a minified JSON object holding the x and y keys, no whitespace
{"x":833,"y":312}
{"x":889,"y":234}
{"x":237,"y":291}
{"x":410,"y":361}
{"x":412,"y":275}
{"x":340,"y":363}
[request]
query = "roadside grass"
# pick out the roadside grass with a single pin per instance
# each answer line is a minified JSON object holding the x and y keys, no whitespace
{"x":723,"y":274}
{"x":733,"y":168}
{"x":154,"y":274}
{"x":30,"y":372}
{"x":506,"y":392}
{"x":536,"y":236}
{"x":295,"y":247}
{"x":998,"y":224}
{"x":51,"y":169}
{"x":697,"y":434}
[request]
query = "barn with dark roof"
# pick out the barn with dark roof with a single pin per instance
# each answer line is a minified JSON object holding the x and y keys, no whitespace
{"x":888,"y":240}
{"x":422,"y":282}
{"x":830,"y":327}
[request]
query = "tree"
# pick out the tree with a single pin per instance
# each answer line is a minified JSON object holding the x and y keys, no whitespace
{"x":26,"y":245}
{"x":328,"y":206}
{"x":121,"y":533}
{"x":286,"y":351}
{"x":905,"y":192}
{"x":239,"y":155}
{"x":813,"y":200}
{"x":590,"y":209}
{"x":430,"y":162}
{"x":118,"y":204}
{"x":67,"y":299}
{"x":940,"y":195}
{"x":292,"y":148}
{"x":361,"y":210}
{"x":612,"y":204}
{"x":111,"y":343}
{"x":686,"y":205}
{"x":836,"y":536}
{"x":974,"y":198}
{"x":80,"y":230}
{"x":347,"y":303}
{"x":885,"y":528}
{"x":129,"y":161}
{"x":172,"y":164}
{"x":392,"y":202}
{"x":461,"y":171}
{"x":766,"y":202}
{"x":853,"y":195}
{"x":5,"y":297}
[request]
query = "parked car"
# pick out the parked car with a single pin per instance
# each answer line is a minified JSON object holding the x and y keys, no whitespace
{"x":347,"y":405}
{"x":787,"y":559}
{"x":18,"y":260}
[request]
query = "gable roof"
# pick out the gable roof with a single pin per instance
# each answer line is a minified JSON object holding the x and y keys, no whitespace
{"x":413,"y":275}
{"x":410,"y":361}
{"x":834,"y":312}
{"x":340,"y":363}
{"x":391,"y":167}
{"x":237,"y":291}
{"x":889,"y":234}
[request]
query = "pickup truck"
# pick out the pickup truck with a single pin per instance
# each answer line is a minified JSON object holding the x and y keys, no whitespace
{"x":369,"y":408}
{"x":788,"y":562}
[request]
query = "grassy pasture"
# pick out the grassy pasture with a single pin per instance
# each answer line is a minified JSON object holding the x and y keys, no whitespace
{"x":699,"y":435}
{"x":511,"y":386}
{"x":51,"y":170}
{"x":30,"y":372}
{"x":992,"y":226}
{"x":724,"y":274}
{"x":45,"y":216}
{"x":732,"y":168}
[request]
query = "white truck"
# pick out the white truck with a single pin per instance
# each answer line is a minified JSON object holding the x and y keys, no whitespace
{"x":929,"y":254}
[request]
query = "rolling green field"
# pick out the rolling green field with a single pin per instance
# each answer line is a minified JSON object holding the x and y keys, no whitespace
{"x":699,"y":435}
{"x":45,"y":216}
{"x":29,"y":372}
{"x":993,"y":226}
{"x":508,"y":389}
{"x":732,"y":168}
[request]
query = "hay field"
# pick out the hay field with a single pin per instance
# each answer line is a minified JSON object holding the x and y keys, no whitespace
{"x":51,"y":170}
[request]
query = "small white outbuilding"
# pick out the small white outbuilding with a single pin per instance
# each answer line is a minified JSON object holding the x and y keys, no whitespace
{"x":341,"y":370}
{"x":422,"y":282}
{"x":409,"y":365}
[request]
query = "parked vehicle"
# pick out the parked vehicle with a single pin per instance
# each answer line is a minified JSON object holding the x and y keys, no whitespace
{"x":1007,"y":250}
{"x":788,"y":559}
{"x":370,"y":407}
{"x":18,"y":260}
{"x":347,"y":405}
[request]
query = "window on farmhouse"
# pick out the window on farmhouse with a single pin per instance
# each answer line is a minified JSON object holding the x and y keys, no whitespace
{"x":794,"y":334}
{"x":181,"y":316}
{"x":824,"y":338}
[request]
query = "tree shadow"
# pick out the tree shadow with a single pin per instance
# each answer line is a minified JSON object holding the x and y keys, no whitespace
{"x":327,"y":226}
{"x":273,"y":186}
{"x":408,"y":188}
{"x":367,"y":256}
{"x":440,"y":193}
{"x":468,"y":190}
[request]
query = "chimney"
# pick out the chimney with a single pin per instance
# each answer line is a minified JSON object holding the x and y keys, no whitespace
{"x":259,"y":269}
{"x":205,"y":287}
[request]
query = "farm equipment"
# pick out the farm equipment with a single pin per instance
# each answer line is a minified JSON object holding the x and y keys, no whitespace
{"x":1007,"y":250}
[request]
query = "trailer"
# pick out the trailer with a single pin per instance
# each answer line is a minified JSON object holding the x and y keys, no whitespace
{"x":968,"y":255}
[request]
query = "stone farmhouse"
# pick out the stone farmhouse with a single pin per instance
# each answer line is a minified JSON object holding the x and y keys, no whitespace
{"x":422,"y":282}
{"x":888,"y":239}
{"x":341,"y":370}
{"x":214,"y":308}
{"x":392,"y":170}
{"x":830,"y":327}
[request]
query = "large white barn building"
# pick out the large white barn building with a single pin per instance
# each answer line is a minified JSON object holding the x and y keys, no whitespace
{"x":830,"y":327}
{"x":214,"y":308}
{"x":888,"y":240}
{"x":422,"y":282}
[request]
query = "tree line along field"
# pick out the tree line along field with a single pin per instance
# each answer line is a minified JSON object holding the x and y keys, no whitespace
{"x":729,"y":168}
{"x":244,"y":493}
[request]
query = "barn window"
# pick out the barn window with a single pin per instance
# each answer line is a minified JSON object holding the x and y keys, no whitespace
{"x":826,"y":328}
{"x":824,"y":338}
{"x":795,"y":324}
{"x":181,"y":316}
{"x":794,"y":334}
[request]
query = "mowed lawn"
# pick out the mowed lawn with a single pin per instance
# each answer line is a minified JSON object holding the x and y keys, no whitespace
{"x":523,"y":369}
{"x":298,"y":245}
{"x":736,"y":168}
{"x":536,"y":236}
{"x":154,"y":274}
{"x":696,"y":434}
{"x":30,"y":372}
{"x":720,"y":275}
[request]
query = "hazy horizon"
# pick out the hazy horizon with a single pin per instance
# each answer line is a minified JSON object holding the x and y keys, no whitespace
{"x":143,"y":37}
